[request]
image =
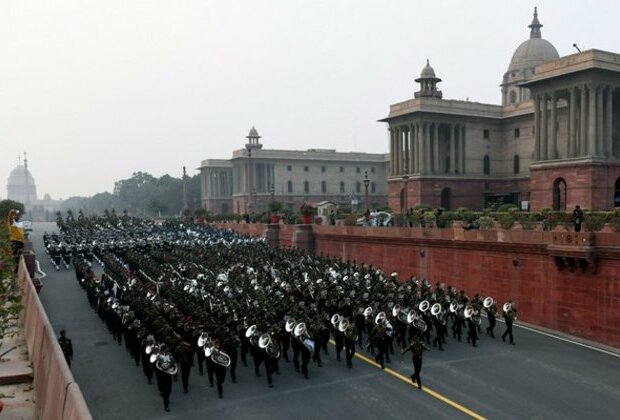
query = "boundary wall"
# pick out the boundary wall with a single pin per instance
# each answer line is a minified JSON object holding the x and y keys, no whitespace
{"x":57,"y":395}
{"x":564,"y":281}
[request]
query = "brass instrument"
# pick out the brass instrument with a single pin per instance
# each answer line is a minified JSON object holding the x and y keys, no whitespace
{"x":165,"y":362}
{"x":266,"y":343}
{"x":335,"y":319}
{"x":436,"y":309}
{"x":487,"y":302}
{"x":220,"y":357}
{"x":348,"y":329}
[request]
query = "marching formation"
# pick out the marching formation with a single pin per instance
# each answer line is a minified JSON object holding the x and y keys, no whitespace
{"x":183,"y":295}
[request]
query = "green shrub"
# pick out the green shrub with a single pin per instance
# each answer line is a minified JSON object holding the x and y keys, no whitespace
{"x":429,"y":219}
{"x":528,"y":220}
{"x":507,"y":219}
{"x":486,"y":222}
{"x":594,"y":222}
{"x":507,"y":207}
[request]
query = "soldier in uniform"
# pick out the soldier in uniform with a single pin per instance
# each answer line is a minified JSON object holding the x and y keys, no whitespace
{"x":66,"y":346}
{"x":417,"y":349}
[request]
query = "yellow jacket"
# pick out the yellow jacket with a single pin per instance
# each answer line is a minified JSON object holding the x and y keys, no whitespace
{"x":16,"y":233}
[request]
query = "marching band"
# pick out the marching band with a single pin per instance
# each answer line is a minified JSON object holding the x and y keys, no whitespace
{"x":173,"y":291}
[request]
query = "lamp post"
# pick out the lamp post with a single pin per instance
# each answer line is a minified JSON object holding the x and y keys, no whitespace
{"x":366,"y":183}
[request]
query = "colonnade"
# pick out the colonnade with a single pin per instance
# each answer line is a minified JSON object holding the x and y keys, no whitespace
{"x":427,"y":147}
{"x":590,"y":122}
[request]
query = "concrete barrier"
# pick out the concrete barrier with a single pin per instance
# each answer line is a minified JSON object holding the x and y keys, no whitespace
{"x":57,"y":396}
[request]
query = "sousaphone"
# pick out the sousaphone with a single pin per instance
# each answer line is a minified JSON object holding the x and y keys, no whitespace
{"x":166,"y":363}
{"x":487,"y":302}
{"x":424,"y":306}
{"x":436,"y":309}
{"x":202,"y":340}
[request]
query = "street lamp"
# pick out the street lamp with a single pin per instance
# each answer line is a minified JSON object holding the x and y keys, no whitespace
{"x":366,"y":183}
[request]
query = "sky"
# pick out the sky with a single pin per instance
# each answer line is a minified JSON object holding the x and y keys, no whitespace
{"x":96,"y":90}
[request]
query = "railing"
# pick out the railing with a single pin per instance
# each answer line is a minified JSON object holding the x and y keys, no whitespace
{"x":57,"y":395}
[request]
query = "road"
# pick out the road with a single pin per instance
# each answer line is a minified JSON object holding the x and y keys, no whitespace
{"x":540,"y":377}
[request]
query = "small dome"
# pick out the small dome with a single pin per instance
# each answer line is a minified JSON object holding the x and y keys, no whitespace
{"x":427,"y":71}
{"x":253,"y":132}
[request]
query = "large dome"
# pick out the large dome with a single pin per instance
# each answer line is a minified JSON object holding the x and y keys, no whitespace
{"x":18,"y":176}
{"x":532,"y":53}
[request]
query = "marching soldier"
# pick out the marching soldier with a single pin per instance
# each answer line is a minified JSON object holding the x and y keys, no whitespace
{"x":509,"y":317}
{"x":417,"y":348}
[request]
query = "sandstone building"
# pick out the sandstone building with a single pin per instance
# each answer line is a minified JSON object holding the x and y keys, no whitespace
{"x":291,"y":177}
{"x":554,"y":142}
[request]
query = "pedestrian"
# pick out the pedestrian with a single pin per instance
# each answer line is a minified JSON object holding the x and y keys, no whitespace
{"x":417,"y":349}
{"x":66,"y":346}
{"x":578,"y":218}
{"x":332,"y":218}
{"x":16,"y":235}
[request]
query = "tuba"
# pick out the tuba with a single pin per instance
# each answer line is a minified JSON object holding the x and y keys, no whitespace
{"x":335,"y":319}
{"x":468,"y":312}
{"x":300,"y":332}
{"x":166,"y":363}
{"x":368,"y":312}
{"x":487,"y":302}
{"x":436,"y":309}
{"x":266,"y":343}
{"x":203,"y":339}
{"x":454,"y":306}
{"x":424,"y":306}
{"x":350,"y":332}
{"x":289,"y":326}
{"x":380,"y":318}
{"x":220,"y":357}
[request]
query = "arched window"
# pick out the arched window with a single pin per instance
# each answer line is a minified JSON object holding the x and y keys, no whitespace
{"x":373,"y":187}
{"x":515,"y":165}
{"x":559,"y":194}
{"x":289,"y":187}
{"x":323,"y":186}
{"x":445,"y":198}
{"x":486,"y":165}
{"x":513,"y":96}
{"x":306,"y":187}
{"x":617,"y":194}
{"x":342,"y":187}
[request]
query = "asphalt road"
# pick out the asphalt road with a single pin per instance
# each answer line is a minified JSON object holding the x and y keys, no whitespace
{"x":540,"y":377}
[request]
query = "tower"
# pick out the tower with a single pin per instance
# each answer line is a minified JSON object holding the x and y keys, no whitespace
{"x":428,"y":83}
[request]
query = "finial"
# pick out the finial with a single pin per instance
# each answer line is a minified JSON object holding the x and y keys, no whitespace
{"x":535,"y":26}
{"x":427,"y":62}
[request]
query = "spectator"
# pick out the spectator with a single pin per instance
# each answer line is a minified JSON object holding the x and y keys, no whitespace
{"x":66,"y":346}
{"x":16,"y":235}
{"x":578,"y":218}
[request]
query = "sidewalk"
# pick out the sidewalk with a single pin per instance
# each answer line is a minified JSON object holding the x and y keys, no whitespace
{"x":16,"y":386}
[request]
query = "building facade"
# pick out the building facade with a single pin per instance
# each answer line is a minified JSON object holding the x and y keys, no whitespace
{"x":21,"y":187}
{"x":553,"y":142}
{"x":291,"y":177}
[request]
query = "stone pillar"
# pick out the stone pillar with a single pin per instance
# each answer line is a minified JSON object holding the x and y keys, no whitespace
{"x":583,"y":122}
{"x":543,"y":127}
{"x":392,"y":157}
{"x":419,"y":151}
{"x":426,"y":141}
{"x":435,"y":148}
{"x":399,"y":151}
{"x":463,"y":149}
{"x":553,"y":144}
{"x":457,"y":148}
{"x":406,"y":152}
{"x":303,"y":238}
{"x":272,"y":234}
{"x":609,"y":120}
{"x":537,"y":147}
{"x":411,"y":148}
{"x":452,"y":150}
{"x":572,"y":135}
{"x":600,"y":137}
{"x":592,"y":120}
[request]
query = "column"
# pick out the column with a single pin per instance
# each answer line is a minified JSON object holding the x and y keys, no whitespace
{"x":412,"y":148}
{"x":591,"y":120}
{"x":583,"y":122}
{"x":609,"y":118}
{"x":600,"y":137}
{"x":457,"y":149}
{"x":543,"y":127}
{"x":396,"y":151}
{"x":407,"y":152}
{"x":452,"y":150}
{"x":419,"y":149}
{"x":435,"y":148}
{"x":392,"y":157}
{"x":553,"y":144}
{"x":463,"y":149}
{"x":572,"y":137}
{"x":537,"y":154}
{"x":426,"y":141}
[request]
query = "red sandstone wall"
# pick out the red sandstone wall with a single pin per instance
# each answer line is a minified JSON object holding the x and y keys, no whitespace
{"x":286,"y":235}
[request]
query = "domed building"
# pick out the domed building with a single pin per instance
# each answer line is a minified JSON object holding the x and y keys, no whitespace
{"x":554,"y":142}
{"x":21,"y":186}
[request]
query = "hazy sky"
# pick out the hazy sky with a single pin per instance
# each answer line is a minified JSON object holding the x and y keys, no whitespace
{"x":95,"y":90}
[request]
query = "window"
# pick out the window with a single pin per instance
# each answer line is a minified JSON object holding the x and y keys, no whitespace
{"x":358,"y":187}
{"x":289,"y":168}
{"x":305,"y":169}
{"x":306,"y":187}
{"x":289,"y":187}
{"x":372,"y":170}
{"x":513,"y":96}
{"x":342,"y":169}
{"x":486,"y":134}
{"x":342,"y":187}
{"x":323,"y":168}
{"x":515,"y":165}
{"x":358,"y":170}
{"x":373,"y":187}
{"x":517,"y":133}
{"x":323,"y":187}
{"x":486,"y":165}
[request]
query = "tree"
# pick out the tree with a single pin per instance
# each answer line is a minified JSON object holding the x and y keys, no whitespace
{"x":6,"y":205}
